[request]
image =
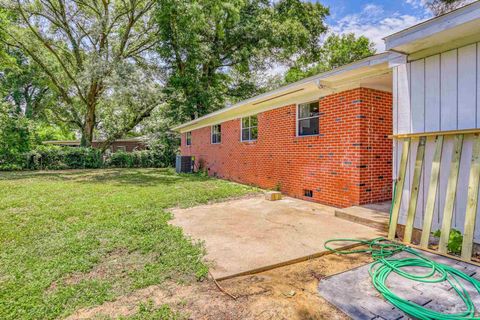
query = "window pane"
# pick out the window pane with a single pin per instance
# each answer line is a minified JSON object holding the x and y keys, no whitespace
{"x":219,"y":138}
{"x":308,"y":127}
{"x":254,"y":133}
{"x":245,"y":134}
{"x":219,"y":128}
{"x":245,"y":122}
{"x":303,"y":111}
{"x":253,"y":121}
{"x":216,"y":138}
{"x":308,"y":110}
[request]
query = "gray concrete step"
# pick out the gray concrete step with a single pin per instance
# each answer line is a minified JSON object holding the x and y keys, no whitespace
{"x":365,"y":216}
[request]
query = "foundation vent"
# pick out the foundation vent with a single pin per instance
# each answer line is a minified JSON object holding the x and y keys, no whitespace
{"x":308,"y":193}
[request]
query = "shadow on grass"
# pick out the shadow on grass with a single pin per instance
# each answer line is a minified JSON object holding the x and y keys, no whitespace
{"x":120,"y":176}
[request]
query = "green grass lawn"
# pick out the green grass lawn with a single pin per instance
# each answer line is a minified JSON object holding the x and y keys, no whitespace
{"x":79,"y":238}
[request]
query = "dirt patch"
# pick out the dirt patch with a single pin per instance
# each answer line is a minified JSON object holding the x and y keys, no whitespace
{"x":285,"y":293}
{"x":116,"y":264}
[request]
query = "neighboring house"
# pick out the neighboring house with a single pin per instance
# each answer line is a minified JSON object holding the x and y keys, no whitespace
{"x":127,"y":145}
{"x":437,"y":89}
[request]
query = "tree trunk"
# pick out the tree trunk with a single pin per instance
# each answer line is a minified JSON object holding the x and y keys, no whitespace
{"x":87,"y":134}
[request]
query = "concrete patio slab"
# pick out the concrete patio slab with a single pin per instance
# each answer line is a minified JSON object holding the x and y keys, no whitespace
{"x":251,"y":233}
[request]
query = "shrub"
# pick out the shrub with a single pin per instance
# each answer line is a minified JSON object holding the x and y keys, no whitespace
{"x":136,"y":159}
{"x":55,"y":158}
{"x":10,"y":167}
{"x":455,"y":240}
{"x":16,"y":136}
{"x":58,"y":158}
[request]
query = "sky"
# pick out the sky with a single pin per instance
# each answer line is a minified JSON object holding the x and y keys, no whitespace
{"x":374,"y":19}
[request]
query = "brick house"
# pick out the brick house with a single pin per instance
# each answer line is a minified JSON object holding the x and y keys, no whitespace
{"x":324,"y":138}
{"x":127,"y":145}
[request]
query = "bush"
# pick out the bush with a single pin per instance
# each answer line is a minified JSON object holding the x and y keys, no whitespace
{"x":10,"y":167}
{"x":136,"y":159}
{"x":56,"y":158}
{"x":455,"y":240}
{"x":16,"y":137}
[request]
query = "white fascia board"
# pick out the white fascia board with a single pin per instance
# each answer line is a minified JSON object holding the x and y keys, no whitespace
{"x":289,"y":92}
{"x":434,"y":26}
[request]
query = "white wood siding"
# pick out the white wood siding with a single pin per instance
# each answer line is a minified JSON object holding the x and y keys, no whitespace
{"x":438,"y":93}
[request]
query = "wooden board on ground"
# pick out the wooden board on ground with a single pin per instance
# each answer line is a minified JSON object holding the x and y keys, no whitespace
{"x":353,"y":292}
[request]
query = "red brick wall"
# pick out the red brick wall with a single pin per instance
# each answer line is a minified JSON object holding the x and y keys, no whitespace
{"x":349,"y":163}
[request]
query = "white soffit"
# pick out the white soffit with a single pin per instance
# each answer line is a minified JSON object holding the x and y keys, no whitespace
{"x":371,"y":72}
{"x":448,"y":31}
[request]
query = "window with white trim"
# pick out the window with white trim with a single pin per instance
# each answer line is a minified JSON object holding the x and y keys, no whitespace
{"x":250,"y":128}
{"x":216,"y":134}
{"x":308,"y":115}
{"x":188,"y":138}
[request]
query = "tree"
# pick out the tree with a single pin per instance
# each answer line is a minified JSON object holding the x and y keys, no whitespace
{"x":5,"y":59}
{"x":25,"y":87}
{"x":14,"y":130}
{"x":15,"y":134}
{"x":134,"y":95}
{"x":337,"y":50}
{"x":439,"y":7}
{"x":216,"y":51}
{"x":79,"y":45}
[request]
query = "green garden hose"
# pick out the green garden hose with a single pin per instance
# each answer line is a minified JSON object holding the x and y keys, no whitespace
{"x":384,"y":265}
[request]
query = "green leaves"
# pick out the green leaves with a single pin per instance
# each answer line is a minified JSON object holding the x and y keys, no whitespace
{"x":216,"y":51}
{"x":77,"y":47}
{"x":454,"y":241}
{"x":336,"y":51}
{"x":15,"y":134}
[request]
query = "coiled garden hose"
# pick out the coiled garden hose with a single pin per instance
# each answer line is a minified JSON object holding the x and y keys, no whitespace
{"x":384,"y":265}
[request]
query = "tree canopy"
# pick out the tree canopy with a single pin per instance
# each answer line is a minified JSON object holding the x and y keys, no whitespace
{"x":337,"y":50}
{"x":217,"y":51}
{"x":79,"y":45}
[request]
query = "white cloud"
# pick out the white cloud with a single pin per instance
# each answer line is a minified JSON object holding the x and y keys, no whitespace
{"x":372,"y":10}
{"x":417,"y":3}
{"x":374,"y":23}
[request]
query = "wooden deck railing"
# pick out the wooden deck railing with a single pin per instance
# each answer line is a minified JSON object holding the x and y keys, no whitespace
{"x":420,"y":139}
